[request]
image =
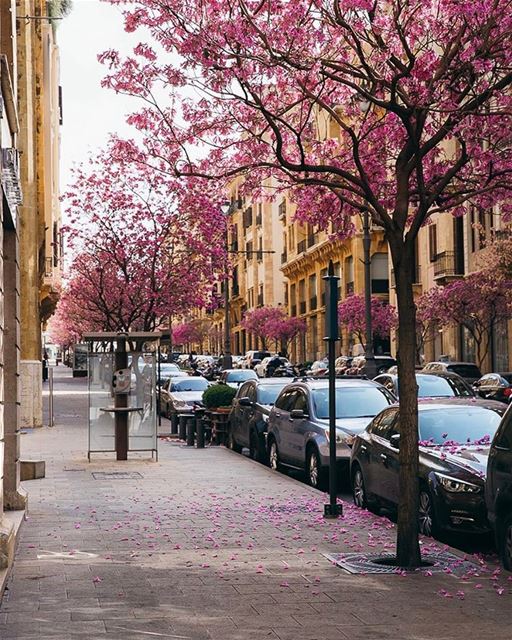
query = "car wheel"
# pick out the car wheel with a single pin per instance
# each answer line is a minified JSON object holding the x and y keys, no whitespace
{"x":314,"y":472}
{"x":505,"y":543}
{"x":426,"y":516}
{"x":358,"y":489}
{"x":273,"y":456}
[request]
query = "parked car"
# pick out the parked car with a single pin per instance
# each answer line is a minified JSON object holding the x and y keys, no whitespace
{"x":298,"y":425}
{"x":254,"y":357}
{"x":237,"y":361}
{"x":167,"y":370}
{"x":269,"y":364}
{"x":431,"y":384}
{"x":182,"y":395}
{"x":495,"y":386}
{"x":319,"y":368}
{"x":249,"y":415}
{"x":467,"y":370}
{"x":498,"y":489}
{"x":454,"y":443}
{"x":235,"y":377}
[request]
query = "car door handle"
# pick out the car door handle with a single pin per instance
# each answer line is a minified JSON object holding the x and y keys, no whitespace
{"x":363,"y":448}
{"x":383,"y":457}
{"x":277,"y":414}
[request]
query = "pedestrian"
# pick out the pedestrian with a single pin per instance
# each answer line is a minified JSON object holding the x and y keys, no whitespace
{"x":45,"y":365}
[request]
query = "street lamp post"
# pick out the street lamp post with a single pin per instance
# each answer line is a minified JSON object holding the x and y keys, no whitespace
{"x":371,"y":365}
{"x":227,"y":358}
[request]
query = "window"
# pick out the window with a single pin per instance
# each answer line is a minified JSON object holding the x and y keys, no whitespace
{"x":285,"y":399}
{"x":432,"y":242}
{"x":249,"y":254}
{"x":504,"y":436}
{"x":349,"y":271}
{"x":382,"y":425}
{"x":379,"y":273}
{"x":301,"y":402}
{"x":313,"y":301}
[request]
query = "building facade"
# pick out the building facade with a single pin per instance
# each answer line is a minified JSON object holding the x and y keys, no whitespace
{"x":40,"y":111}
{"x":12,"y":497}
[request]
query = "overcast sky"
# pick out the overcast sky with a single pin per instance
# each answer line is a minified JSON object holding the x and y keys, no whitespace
{"x":90,"y":112}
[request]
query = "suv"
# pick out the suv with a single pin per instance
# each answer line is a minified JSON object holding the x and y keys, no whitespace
{"x":467,"y":370}
{"x":249,"y":415}
{"x":498,"y":488}
{"x":298,"y":425}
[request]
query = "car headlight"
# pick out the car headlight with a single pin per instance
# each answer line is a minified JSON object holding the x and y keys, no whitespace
{"x":453,"y":485}
{"x":341,"y":437}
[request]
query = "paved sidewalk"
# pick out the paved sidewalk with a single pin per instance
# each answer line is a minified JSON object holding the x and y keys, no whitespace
{"x":208,"y":544}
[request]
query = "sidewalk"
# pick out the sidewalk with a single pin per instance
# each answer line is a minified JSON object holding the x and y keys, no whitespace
{"x":207,"y":544}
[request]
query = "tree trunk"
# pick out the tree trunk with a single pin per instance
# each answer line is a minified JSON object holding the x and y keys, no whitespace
{"x":408,"y":551}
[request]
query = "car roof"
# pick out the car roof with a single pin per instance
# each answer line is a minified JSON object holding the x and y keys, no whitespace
{"x":437,"y":374}
{"x":424,"y":404}
{"x":273,"y":380}
{"x":324,"y":383}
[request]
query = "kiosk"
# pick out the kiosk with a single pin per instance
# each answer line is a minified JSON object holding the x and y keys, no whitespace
{"x":122,"y":393}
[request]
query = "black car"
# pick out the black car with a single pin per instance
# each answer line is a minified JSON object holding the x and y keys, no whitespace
{"x":498,"y":489}
{"x":431,"y":384}
{"x":495,"y":386}
{"x":455,"y":435}
{"x":249,"y":415}
{"x":467,"y":370}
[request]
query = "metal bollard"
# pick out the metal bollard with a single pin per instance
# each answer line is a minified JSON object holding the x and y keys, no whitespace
{"x":199,"y":430}
{"x":182,"y":427}
{"x":174,"y":423}
{"x":191,"y":427}
{"x":51,"y":417}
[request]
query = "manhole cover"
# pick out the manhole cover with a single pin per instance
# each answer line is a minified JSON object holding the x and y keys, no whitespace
{"x":117,"y":475}
{"x":438,"y":562}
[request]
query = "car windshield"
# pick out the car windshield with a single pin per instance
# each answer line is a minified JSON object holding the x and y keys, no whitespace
{"x":465,"y":370}
{"x":240,"y":376}
{"x":190,"y":384}
{"x":167,"y":367}
{"x":459,"y":425}
{"x":438,"y":387}
{"x":352,"y":402}
{"x":267,"y":393}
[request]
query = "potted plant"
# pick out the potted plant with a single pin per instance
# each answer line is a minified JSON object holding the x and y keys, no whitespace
{"x":219,"y":397}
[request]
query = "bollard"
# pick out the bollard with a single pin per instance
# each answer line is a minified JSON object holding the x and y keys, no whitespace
{"x":182,"y":427}
{"x":199,"y":430}
{"x":191,"y":425}
{"x":51,"y":417}
{"x":174,"y":423}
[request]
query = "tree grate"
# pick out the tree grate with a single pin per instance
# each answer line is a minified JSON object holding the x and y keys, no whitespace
{"x":435,"y":562}
{"x":117,"y":475}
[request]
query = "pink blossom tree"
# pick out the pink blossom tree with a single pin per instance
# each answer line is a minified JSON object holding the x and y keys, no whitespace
{"x":352,"y":316}
{"x":146,"y":246}
{"x":476,"y":302}
{"x":190,"y":333}
{"x":285,"y":329}
{"x":352,"y":105}
{"x":258,"y":321}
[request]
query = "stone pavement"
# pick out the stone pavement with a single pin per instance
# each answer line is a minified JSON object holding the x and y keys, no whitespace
{"x":207,"y":544}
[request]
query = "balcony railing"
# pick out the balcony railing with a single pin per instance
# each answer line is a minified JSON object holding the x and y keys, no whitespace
{"x":301,"y":246}
{"x":313,"y":303}
{"x":445,"y":265}
{"x":302,"y":307}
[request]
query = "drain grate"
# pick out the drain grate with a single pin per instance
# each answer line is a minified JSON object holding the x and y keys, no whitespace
{"x":117,"y":475}
{"x":435,"y":561}
{"x":289,"y":508}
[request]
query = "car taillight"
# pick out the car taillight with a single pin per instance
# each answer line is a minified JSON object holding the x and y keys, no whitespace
{"x":507,"y":392}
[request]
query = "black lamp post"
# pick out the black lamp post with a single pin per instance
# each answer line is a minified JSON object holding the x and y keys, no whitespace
{"x":227,"y":359}
{"x":371,"y":365}
{"x":333,"y":509}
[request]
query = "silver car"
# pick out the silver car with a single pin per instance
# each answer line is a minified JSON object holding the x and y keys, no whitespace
{"x":182,"y":395}
{"x":298,"y":425}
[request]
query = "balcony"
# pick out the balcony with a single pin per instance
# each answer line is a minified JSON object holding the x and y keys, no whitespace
{"x":313,"y":303}
{"x":302,"y":246}
{"x":302,"y":307}
{"x":446,"y":269}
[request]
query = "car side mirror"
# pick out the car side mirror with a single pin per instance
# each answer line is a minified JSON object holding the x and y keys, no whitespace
{"x":245,"y":402}
{"x":395,"y":440}
{"x":297,"y":414}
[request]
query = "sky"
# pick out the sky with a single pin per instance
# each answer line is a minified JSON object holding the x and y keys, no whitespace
{"x":90,"y":112}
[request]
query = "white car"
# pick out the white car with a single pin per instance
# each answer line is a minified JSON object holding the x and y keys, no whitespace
{"x":235,"y":377}
{"x":262,"y":368}
{"x":182,"y":395}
